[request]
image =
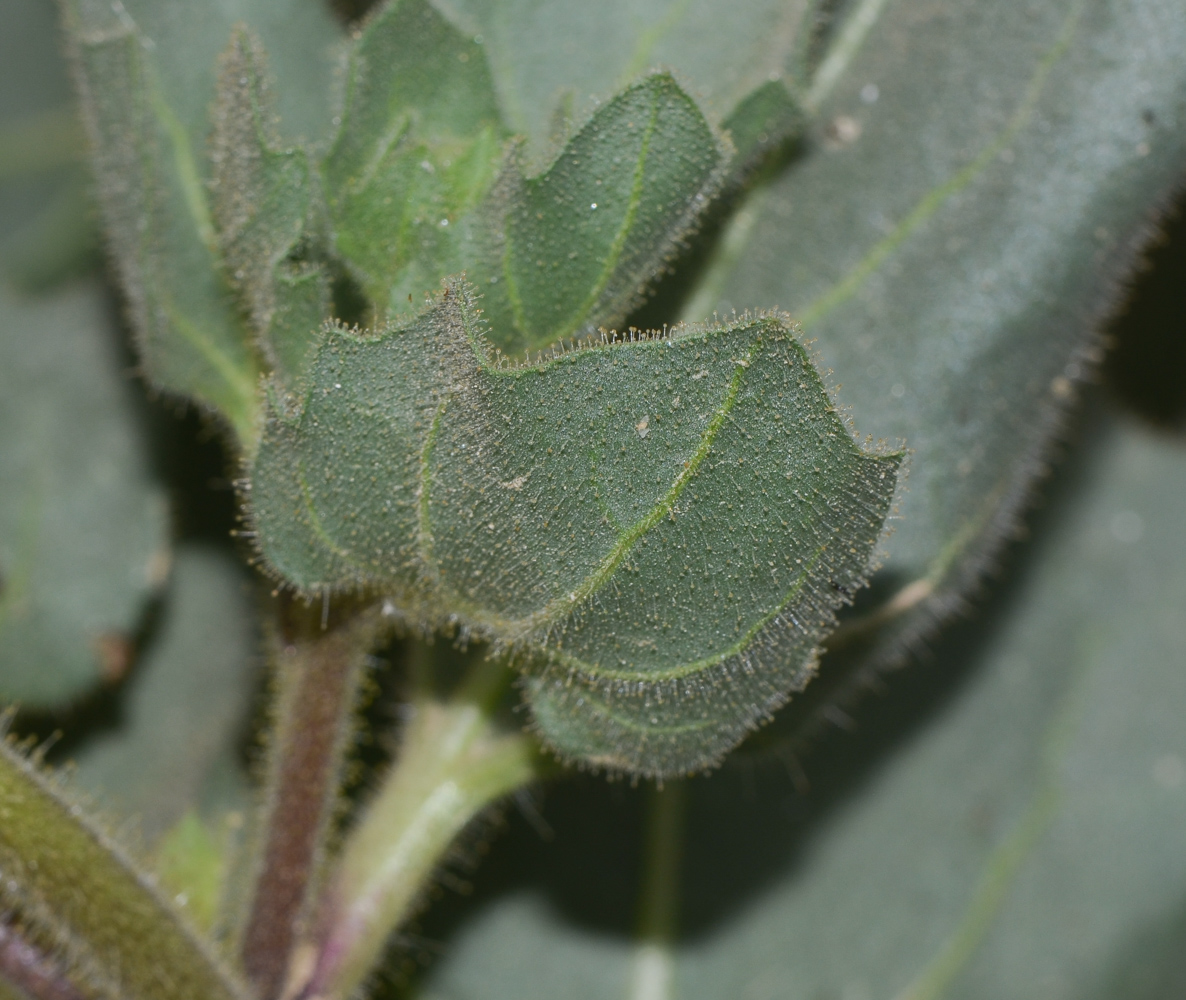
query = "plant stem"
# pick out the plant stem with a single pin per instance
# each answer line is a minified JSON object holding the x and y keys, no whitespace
{"x":454,"y":761}
{"x":658,"y":910}
{"x":318,"y":663}
{"x":31,"y":969}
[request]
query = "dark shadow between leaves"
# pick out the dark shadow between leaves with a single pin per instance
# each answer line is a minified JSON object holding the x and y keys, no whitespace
{"x":1146,"y":369}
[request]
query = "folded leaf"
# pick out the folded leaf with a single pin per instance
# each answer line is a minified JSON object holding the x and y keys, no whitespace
{"x":575,"y":247}
{"x":83,"y":522}
{"x":418,"y":146}
{"x":659,"y":529}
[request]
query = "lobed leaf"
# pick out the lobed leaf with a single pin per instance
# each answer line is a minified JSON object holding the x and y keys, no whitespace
{"x":83,"y":521}
{"x":660,"y":529}
{"x":574,"y":248}
{"x":418,"y":147}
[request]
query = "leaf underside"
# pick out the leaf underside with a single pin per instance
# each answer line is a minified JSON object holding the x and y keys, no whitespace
{"x":659,"y":529}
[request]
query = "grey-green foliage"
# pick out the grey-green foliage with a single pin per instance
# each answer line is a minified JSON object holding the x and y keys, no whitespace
{"x":83,"y":524}
{"x":418,"y":147}
{"x":571,"y":56}
{"x":266,"y":210}
{"x":411,"y":186}
{"x":574,"y":248}
{"x":146,"y":78}
{"x":660,"y":529}
{"x":1024,"y":840}
{"x":181,"y":719}
{"x":952,"y":243}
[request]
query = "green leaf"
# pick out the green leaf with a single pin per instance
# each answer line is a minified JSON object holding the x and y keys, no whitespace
{"x":191,"y":863}
{"x":263,"y":203}
{"x":960,"y":841}
{"x":186,"y":703}
{"x":418,"y":147}
{"x":146,"y":79}
{"x":83,"y":522}
{"x":660,"y":527}
{"x":957,"y":226}
{"x":761,"y":122}
{"x":82,"y":903}
{"x":575,"y":247}
{"x":551,"y":53}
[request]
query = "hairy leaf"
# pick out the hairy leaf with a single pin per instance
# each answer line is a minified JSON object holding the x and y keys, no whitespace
{"x":973,"y":193}
{"x":574,"y":247}
{"x":83,"y":522}
{"x":146,"y":77}
{"x":418,"y":147}
{"x":553,"y":54}
{"x":83,"y":904}
{"x":263,"y":207}
{"x":660,"y":528}
{"x":1008,"y":823}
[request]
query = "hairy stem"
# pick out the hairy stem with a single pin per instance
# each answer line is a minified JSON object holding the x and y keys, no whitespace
{"x":455,"y":759}
{"x":31,"y":970}
{"x":319,"y":667}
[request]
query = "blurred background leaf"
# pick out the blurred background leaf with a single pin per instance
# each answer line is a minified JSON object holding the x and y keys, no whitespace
{"x":965,"y":209}
{"x":83,"y":522}
{"x":172,"y":739}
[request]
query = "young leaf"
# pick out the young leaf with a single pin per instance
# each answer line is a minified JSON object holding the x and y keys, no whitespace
{"x":764,"y":119}
{"x":661,"y":529}
{"x":83,"y":523}
{"x":263,"y":203}
{"x":574,"y":248}
{"x":418,"y":147}
{"x":158,"y":219}
{"x":82,"y":903}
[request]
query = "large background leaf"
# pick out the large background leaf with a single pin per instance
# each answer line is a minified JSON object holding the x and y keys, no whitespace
{"x":974,"y":182}
{"x":171,"y":740}
{"x":83,"y":519}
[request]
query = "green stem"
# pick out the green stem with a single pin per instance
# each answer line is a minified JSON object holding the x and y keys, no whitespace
{"x":454,"y":761}
{"x":658,"y":911}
